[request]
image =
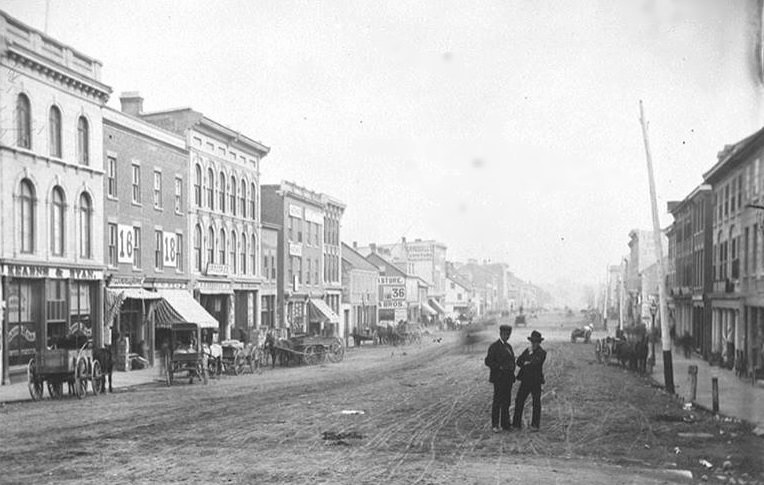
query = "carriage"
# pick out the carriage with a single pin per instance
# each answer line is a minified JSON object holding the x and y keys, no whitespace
{"x":584,"y":333}
{"x":185,"y":354}
{"x":312,"y":349}
{"x":410,"y":333}
{"x":74,"y":365}
{"x":236,"y":357}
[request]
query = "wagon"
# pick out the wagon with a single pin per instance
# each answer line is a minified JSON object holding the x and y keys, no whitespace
{"x":186,"y":357}
{"x":313,"y":349}
{"x":51,"y":368}
{"x":236,"y":357}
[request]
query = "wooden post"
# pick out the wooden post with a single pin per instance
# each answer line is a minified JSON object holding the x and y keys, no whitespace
{"x":715,"y":394}
{"x":693,"y":371}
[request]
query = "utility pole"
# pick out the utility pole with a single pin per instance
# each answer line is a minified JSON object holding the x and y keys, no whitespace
{"x":668,"y":367}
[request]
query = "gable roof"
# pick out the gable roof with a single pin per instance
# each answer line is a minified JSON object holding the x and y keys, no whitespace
{"x":355,"y":259}
{"x":385,"y":266}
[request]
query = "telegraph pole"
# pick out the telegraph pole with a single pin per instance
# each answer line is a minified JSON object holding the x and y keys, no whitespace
{"x":668,"y":367}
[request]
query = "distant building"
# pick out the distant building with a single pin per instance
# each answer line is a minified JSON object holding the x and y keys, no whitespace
{"x":360,"y":292}
{"x":309,"y":257}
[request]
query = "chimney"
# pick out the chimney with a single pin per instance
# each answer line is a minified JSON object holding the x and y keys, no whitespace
{"x":132,"y":103}
{"x":403,"y":240}
{"x":355,"y":244}
{"x":373,"y":247}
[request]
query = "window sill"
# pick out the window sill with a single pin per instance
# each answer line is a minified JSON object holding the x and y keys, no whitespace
{"x":136,"y":204}
{"x":158,"y":208}
{"x":112,"y":198}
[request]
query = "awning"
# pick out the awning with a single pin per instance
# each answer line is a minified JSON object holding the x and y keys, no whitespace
{"x":427,"y":309}
{"x":319,"y":310}
{"x":437,"y":306}
{"x":178,"y":306}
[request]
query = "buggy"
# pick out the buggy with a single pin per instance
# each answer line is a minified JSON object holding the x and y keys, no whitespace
{"x":185,"y":355}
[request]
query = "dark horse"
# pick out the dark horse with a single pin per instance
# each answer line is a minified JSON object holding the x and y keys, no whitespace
{"x":106,"y":361}
{"x":278,"y":350}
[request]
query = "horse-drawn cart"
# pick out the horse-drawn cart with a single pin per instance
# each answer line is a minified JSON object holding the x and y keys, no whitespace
{"x":186,"y":355}
{"x":312,"y":349}
{"x":54,"y":367}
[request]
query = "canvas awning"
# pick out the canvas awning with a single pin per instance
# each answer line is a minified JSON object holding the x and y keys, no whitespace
{"x":319,"y":310}
{"x":427,"y":309}
{"x":178,"y":306}
{"x":437,"y":306}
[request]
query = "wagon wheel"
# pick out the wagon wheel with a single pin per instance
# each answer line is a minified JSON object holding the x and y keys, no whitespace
{"x":34,"y":381}
{"x":336,"y":351}
{"x":99,"y":380}
{"x":239,"y":362}
{"x":313,"y":355}
{"x":56,"y":389}
{"x":81,"y":378}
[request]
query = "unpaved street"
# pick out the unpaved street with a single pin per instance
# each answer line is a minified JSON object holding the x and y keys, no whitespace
{"x":416,"y":414}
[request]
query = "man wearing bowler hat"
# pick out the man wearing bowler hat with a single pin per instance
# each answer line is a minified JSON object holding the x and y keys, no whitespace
{"x":501,"y":360}
{"x":531,"y":377}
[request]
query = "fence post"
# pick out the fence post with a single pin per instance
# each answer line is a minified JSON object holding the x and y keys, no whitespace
{"x":715,"y":393}
{"x":693,"y":371}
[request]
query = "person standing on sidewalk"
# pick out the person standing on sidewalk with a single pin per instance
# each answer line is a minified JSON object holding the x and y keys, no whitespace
{"x":531,"y":377}
{"x":501,"y":361}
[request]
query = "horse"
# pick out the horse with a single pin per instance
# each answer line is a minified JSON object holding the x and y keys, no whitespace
{"x":105,"y":359}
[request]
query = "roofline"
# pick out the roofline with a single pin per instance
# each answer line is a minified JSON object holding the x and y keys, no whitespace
{"x":111,"y":115}
{"x":695,"y":192}
{"x":738,"y":150}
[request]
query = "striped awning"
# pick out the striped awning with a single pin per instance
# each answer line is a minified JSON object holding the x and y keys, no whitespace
{"x":178,"y":306}
{"x":437,"y":306}
{"x":323,"y":311}
{"x":427,"y":309}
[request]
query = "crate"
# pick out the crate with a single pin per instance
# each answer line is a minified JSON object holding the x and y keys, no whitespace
{"x":57,"y":360}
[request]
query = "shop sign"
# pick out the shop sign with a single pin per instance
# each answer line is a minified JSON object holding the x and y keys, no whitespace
{"x":214,"y":269}
{"x":125,"y":243}
{"x":295,"y":211}
{"x":19,"y":271}
{"x":314,"y":216}
{"x":419,"y":253}
{"x":295,"y":249}
{"x":214,"y":287}
{"x":391,"y":280}
{"x":86,"y":274}
{"x":23,"y":330}
{"x":392,"y":304}
{"x":170,"y":250}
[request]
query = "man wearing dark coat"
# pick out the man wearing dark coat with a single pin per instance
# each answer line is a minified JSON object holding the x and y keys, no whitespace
{"x":501,"y":361}
{"x":531,"y":377}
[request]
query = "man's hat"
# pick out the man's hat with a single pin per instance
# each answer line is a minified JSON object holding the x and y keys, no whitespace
{"x":535,"y":336}
{"x":505,"y":327}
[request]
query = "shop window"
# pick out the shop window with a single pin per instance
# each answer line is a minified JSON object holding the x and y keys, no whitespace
{"x":80,"y":307}
{"x":56,"y":310}
{"x":23,"y":307}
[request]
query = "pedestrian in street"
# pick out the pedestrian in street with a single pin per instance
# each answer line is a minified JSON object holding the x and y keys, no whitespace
{"x":501,"y":361}
{"x":531,"y":377}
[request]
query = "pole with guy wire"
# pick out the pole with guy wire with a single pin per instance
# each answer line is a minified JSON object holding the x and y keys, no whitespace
{"x":668,"y":367}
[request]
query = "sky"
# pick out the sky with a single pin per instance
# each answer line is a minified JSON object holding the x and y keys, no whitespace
{"x":508,"y":130}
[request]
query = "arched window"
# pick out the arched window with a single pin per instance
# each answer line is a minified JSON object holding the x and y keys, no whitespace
{"x":210,"y":246}
{"x":57,"y":216}
{"x":252,"y":205}
{"x":233,"y":252}
{"x":222,"y":247}
{"x":198,"y":247}
{"x":83,"y":141}
{"x":232,"y":195}
{"x":27,"y":203}
{"x":221,"y":192}
{"x":243,"y":198}
{"x":54,"y":128}
{"x":210,"y":189}
{"x":243,"y":254}
{"x":198,"y":185}
{"x":23,"y":122}
{"x":253,"y":255}
{"x":86,"y":226}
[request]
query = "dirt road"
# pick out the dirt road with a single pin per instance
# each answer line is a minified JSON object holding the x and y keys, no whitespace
{"x":415,"y":414}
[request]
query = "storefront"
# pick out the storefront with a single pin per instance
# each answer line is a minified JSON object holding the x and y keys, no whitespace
{"x":246,"y":308}
{"x":217,"y":299}
{"x":129,"y":325}
{"x":322,"y":320}
{"x":45,"y":305}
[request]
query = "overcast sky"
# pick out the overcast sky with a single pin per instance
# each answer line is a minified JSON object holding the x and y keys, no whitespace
{"x":507,"y":130}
